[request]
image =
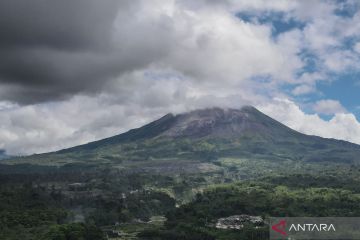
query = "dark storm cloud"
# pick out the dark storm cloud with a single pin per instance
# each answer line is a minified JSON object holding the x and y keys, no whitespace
{"x":50,"y":50}
{"x":63,"y":24}
{"x":34,"y":75}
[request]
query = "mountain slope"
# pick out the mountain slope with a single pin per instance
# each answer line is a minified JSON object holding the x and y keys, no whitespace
{"x":205,"y":135}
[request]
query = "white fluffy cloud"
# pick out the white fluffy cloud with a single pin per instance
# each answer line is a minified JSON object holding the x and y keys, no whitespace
{"x":357,"y":47}
{"x":208,"y":44}
{"x":328,"y":107}
{"x":303,"y":89}
{"x":341,"y":126}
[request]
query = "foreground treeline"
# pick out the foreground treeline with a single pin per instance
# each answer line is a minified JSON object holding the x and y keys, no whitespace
{"x":78,"y":204}
{"x":196,"y":220}
{"x":28,"y":213}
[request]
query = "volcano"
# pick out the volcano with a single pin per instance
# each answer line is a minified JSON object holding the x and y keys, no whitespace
{"x":204,"y":135}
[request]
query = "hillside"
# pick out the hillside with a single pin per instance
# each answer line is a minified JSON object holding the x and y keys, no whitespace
{"x":203,"y":135}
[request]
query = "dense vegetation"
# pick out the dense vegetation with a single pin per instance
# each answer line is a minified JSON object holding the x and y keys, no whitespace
{"x":29,"y":213}
{"x":58,"y":205}
{"x":75,"y":204}
{"x":196,"y":220}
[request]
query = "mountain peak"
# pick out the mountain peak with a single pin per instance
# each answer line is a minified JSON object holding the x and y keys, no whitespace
{"x":219,"y":122}
{"x":209,"y":122}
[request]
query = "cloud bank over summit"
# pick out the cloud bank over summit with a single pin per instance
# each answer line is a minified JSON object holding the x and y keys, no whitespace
{"x":80,"y":70}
